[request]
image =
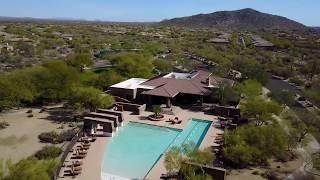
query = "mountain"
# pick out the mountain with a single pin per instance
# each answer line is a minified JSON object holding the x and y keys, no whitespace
{"x":243,"y":19}
{"x":316,"y":29}
{"x":5,"y":19}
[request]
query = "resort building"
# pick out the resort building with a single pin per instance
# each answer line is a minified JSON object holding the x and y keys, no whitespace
{"x":193,"y":87}
{"x":126,"y":142}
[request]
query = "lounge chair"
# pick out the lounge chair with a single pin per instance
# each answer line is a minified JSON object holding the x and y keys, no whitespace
{"x":82,"y":147}
{"x":82,"y":144}
{"x":77,"y":163}
{"x":171,"y":120}
{"x":74,"y":164}
{"x":76,"y":168}
{"x":177,"y":121}
{"x":81,"y":152}
{"x":72,"y":172}
{"x":87,"y":139}
{"x":78,"y":156}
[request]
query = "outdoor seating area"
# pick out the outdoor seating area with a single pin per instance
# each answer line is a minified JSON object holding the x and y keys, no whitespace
{"x":227,"y":123}
{"x":81,"y":162}
{"x":72,"y":166}
{"x":218,"y":149}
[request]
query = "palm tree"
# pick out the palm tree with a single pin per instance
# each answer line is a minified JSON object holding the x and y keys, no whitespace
{"x":185,"y":159}
{"x":156,"y":110}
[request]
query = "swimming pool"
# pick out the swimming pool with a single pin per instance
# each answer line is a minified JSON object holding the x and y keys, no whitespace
{"x":137,"y":147}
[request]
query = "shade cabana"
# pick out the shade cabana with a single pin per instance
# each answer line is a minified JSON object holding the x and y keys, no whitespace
{"x":92,"y":124}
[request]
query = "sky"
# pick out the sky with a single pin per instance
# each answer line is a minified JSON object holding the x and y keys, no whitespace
{"x":304,"y":11}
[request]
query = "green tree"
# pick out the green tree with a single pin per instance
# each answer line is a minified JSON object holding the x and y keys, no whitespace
{"x":250,"y":69}
{"x":156,"y":110}
{"x":250,"y":88}
{"x":89,"y":98}
{"x":179,"y":159}
{"x":259,"y":110}
{"x":133,"y":65}
{"x":225,"y":94}
{"x":54,"y":80}
{"x":297,"y":130}
{"x":163,"y":66}
{"x":9,"y":96}
{"x":26,"y":49}
{"x":2,"y":169}
{"x":107,"y":78}
{"x":283,"y":97}
{"x":80,"y":60}
{"x":311,"y":69}
{"x":254,"y":144}
{"x":173,"y":160}
{"x":31,"y":169}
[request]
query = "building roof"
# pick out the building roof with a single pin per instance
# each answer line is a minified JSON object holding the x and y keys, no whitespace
{"x":132,"y":83}
{"x":172,"y":84}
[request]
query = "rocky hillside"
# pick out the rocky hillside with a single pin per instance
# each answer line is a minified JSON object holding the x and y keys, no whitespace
{"x":244,"y":19}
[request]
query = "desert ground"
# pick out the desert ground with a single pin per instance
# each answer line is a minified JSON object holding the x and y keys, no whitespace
{"x":20,"y":139}
{"x":284,"y":169}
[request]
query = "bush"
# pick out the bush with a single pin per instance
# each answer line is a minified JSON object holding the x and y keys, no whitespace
{"x":4,"y":124}
{"x":89,"y":98}
{"x":67,"y":135}
{"x":297,"y":81}
{"x":257,"y":145}
{"x":283,"y":97}
{"x":256,"y":172}
{"x":49,"y":137}
{"x":48,"y":152}
{"x":31,"y":168}
{"x":55,"y":138}
{"x":156,"y":110}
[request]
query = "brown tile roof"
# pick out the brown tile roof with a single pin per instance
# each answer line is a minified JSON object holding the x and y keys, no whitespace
{"x":170,"y":87}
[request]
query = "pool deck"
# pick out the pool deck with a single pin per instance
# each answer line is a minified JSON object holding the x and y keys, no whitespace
{"x":93,"y":161}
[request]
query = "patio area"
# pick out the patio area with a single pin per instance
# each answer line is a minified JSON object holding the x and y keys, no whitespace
{"x":91,"y":168}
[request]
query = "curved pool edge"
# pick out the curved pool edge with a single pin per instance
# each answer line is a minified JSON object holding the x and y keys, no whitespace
{"x":107,"y":176}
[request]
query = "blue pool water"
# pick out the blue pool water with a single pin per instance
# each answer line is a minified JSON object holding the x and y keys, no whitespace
{"x":137,"y":147}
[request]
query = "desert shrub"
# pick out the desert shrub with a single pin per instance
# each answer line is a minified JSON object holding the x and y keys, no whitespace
{"x":48,"y":152}
{"x":255,"y":172}
{"x":89,"y":98}
{"x":283,"y":97}
{"x":49,"y":137}
{"x":67,"y":135}
{"x":296,"y":80}
{"x":30,"y":116}
{"x":55,"y":138}
{"x":249,"y":145}
{"x":156,"y":110}
{"x":4,"y":124}
{"x":31,"y":169}
{"x":179,"y":159}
